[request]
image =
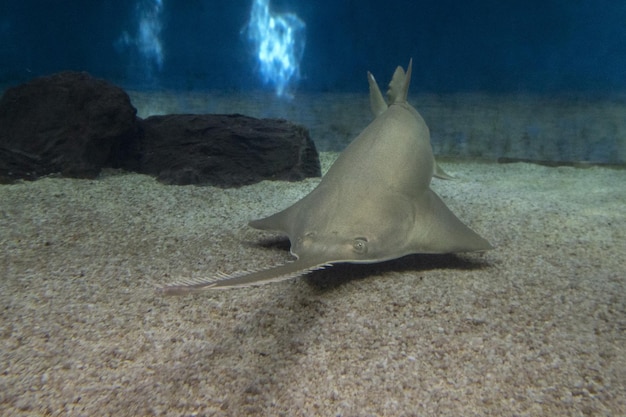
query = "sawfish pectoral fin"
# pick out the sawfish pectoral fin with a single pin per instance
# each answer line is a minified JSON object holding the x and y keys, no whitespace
{"x":278,"y":222}
{"x":243,"y":279}
{"x":440,"y":231}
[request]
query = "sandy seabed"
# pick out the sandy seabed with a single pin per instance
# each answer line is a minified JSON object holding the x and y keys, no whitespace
{"x":536,"y":327}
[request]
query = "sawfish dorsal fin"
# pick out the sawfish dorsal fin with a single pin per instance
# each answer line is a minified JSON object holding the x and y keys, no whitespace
{"x":377,"y":102}
{"x":399,"y":84}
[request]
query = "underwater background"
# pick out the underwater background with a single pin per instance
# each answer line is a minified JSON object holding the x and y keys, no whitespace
{"x":479,"y":45}
{"x":534,"y":327}
{"x":538,"y":80}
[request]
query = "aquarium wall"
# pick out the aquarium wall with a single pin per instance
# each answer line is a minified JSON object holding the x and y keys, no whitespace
{"x":288,"y":49}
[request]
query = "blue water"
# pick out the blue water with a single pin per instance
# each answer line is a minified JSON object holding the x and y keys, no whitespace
{"x":531,"y":48}
{"x":480,"y":45}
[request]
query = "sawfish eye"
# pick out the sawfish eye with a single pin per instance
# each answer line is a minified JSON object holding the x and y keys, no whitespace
{"x":360,"y":245}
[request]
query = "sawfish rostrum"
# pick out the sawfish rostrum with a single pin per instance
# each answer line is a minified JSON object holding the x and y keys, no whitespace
{"x":373,"y":205}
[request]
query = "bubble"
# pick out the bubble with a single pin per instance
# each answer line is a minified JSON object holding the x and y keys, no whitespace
{"x":278,"y":40}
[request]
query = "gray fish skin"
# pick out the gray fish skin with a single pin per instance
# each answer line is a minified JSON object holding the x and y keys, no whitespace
{"x":374,"y":204}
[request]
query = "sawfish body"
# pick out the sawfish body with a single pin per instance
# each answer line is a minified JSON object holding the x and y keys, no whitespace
{"x":373,"y":204}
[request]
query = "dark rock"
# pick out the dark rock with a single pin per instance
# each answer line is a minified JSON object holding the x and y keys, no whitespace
{"x":225,"y":150}
{"x":68,"y":123}
{"x":73,"y":124}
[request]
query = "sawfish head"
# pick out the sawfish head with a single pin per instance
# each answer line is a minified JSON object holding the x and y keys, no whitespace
{"x":321,"y":235}
{"x":354,"y":231}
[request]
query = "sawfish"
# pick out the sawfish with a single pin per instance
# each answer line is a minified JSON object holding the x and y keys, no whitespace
{"x":374,"y":204}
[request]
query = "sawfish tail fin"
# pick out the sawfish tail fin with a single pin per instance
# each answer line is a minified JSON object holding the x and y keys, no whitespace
{"x":440,"y":173}
{"x":399,"y":84}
